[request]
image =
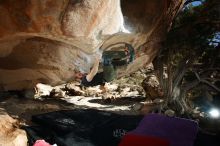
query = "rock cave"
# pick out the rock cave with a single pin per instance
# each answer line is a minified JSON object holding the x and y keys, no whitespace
{"x":158,"y":61}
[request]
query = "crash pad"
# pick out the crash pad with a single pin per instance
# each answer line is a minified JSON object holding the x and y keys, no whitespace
{"x":179,"y":131}
{"x":140,"y":140}
{"x":81,"y":127}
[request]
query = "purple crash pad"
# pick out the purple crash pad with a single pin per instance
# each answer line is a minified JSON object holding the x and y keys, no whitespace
{"x":179,"y":131}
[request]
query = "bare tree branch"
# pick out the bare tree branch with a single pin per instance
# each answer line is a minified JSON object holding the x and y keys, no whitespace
{"x":210,"y":84}
{"x":209,"y":69}
{"x":190,"y":85}
{"x":206,"y":82}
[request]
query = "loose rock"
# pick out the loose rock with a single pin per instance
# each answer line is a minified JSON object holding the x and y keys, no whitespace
{"x":170,"y":113}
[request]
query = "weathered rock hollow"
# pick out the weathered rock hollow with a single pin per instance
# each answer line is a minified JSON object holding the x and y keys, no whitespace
{"x":48,"y":40}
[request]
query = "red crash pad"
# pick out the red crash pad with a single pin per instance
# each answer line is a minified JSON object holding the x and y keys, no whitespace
{"x":140,"y":140}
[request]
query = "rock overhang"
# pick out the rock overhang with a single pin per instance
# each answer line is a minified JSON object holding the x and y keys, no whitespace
{"x":47,"y":40}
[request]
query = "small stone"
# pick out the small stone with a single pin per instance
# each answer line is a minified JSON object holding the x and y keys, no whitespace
{"x":73,"y":90}
{"x":157,"y":100}
{"x":137,"y":106}
{"x":170,"y":113}
{"x":29,"y":93}
{"x":196,"y":111}
{"x":202,"y":114}
{"x":195,"y":115}
{"x":43,"y":90}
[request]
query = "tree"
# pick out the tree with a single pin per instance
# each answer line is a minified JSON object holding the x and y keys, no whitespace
{"x":191,"y":54}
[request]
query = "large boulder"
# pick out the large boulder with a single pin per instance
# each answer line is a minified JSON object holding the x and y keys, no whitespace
{"x":48,"y":40}
{"x":152,"y":87}
{"x":10,"y":135}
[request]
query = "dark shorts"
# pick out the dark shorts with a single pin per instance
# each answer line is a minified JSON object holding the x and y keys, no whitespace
{"x":97,"y":80}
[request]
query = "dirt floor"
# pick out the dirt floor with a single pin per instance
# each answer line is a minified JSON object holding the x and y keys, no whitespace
{"x":124,"y":96}
{"x":23,"y":109}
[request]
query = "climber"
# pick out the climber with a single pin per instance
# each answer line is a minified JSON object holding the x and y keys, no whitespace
{"x":110,"y":61}
{"x":93,"y":78}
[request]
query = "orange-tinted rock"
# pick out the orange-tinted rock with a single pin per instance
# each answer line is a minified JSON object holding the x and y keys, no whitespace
{"x":10,"y":135}
{"x":47,"y":40}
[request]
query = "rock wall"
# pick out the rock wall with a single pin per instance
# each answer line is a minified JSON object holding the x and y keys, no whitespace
{"x":10,"y":134}
{"x":48,"y":40}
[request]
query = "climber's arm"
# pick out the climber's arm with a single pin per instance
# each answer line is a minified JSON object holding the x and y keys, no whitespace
{"x":93,"y":71}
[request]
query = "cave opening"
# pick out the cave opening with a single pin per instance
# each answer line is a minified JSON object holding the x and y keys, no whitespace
{"x":109,"y":72}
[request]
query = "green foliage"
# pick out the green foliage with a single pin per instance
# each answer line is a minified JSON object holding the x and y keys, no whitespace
{"x":192,"y":46}
{"x":193,"y":32}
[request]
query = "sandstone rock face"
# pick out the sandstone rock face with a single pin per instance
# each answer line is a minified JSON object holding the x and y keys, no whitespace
{"x":9,"y":134}
{"x":48,"y":40}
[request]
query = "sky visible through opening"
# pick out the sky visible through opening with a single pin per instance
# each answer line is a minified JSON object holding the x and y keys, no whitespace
{"x":217,"y":35}
{"x":196,"y":3}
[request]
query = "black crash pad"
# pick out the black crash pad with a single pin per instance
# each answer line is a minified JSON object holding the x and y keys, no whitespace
{"x":80,"y":127}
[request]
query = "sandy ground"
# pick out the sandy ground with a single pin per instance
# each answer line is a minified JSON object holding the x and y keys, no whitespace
{"x":23,"y":108}
{"x":127,"y":92}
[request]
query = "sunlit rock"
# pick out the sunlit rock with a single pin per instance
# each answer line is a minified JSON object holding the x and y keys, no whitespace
{"x":46,"y":41}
